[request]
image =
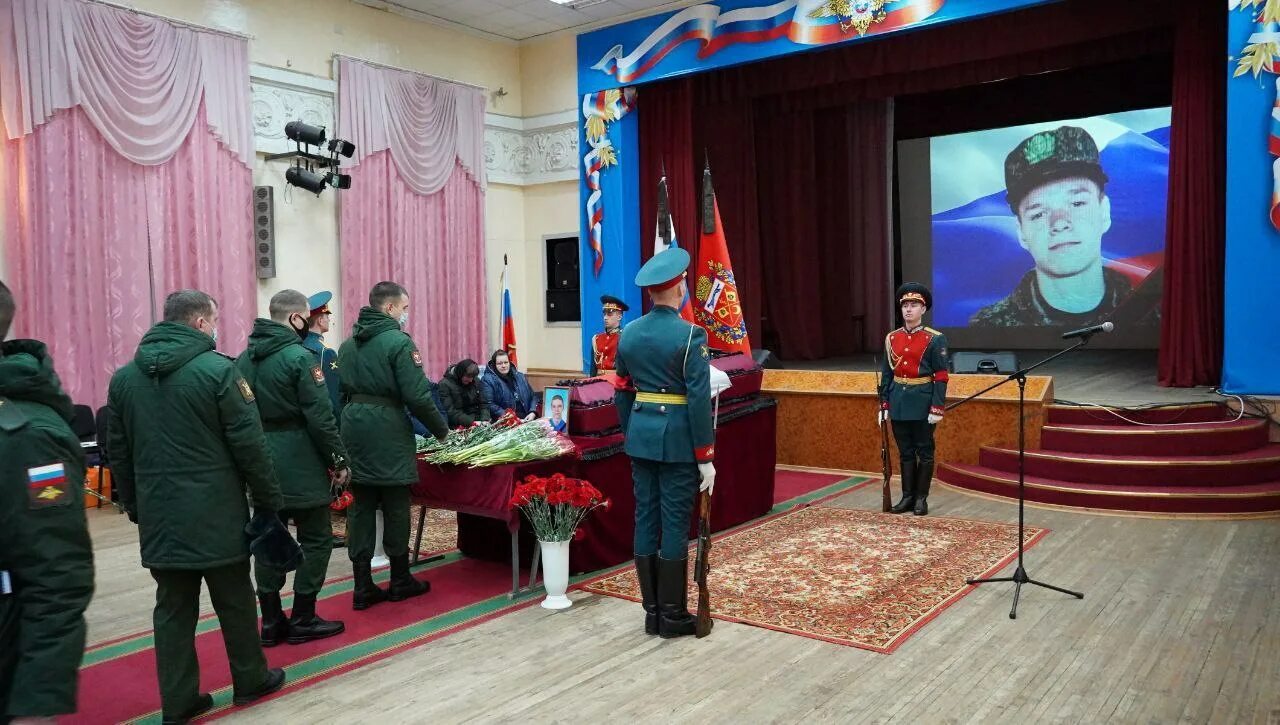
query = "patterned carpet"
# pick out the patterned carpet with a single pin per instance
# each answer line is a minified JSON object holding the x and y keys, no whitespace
{"x":440,"y":533}
{"x":858,"y":578}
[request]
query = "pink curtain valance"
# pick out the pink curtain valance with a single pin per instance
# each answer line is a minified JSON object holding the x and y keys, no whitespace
{"x":140,"y":80}
{"x":429,"y":125}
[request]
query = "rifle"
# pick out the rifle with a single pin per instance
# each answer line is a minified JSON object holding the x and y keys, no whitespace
{"x":885,"y":467}
{"x":702,"y":565}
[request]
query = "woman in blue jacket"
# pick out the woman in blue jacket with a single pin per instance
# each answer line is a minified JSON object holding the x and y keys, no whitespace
{"x":508,"y":388}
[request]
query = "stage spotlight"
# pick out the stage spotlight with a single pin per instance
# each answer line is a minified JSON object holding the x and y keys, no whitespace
{"x":308,"y":180}
{"x":304,"y":133}
{"x":338,"y":181}
{"x":345,"y":148}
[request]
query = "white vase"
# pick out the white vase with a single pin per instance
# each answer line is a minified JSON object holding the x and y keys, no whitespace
{"x":555,"y":574}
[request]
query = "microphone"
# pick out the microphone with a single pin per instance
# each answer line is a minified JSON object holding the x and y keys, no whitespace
{"x":1087,"y":331}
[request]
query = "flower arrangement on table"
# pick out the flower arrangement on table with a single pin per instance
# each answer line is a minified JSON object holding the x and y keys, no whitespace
{"x":506,"y":440}
{"x":555,"y":505}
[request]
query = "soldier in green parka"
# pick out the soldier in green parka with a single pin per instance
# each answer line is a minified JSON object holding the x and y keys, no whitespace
{"x":184,"y":440}
{"x":381,"y":376}
{"x":302,"y":436}
{"x":46,"y":559}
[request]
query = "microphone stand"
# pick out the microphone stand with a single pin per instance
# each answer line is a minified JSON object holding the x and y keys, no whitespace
{"x":1020,"y":573}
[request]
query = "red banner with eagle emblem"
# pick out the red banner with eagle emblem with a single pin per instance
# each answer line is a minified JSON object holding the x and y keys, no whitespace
{"x":718,"y":307}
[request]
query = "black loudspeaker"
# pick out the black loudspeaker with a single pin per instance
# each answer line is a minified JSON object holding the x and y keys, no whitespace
{"x":766,"y":359}
{"x":562,"y":264}
{"x":984,"y":362}
{"x":264,"y":231}
{"x":564,"y":306}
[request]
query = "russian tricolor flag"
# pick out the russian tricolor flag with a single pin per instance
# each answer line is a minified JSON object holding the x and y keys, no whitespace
{"x":665,"y":238}
{"x":50,"y":475}
{"x":508,"y":323}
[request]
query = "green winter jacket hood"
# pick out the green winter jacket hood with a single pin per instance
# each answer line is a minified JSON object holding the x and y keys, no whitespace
{"x":270,"y":337}
{"x":168,"y":346}
{"x":26,"y":373}
{"x":372,"y":323}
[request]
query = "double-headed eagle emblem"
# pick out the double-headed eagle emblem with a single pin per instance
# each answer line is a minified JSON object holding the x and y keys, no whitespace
{"x":859,"y":15}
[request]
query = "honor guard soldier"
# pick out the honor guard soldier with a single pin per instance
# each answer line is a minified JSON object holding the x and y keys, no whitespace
{"x":604,"y":345}
{"x":913,"y":391}
{"x":664,"y":406}
{"x":318,"y":318}
{"x":381,"y":375}
{"x":302,"y":437}
{"x":185,"y":439}
{"x":46,"y":559}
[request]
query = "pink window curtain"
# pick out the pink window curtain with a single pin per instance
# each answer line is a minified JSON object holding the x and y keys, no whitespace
{"x":123,"y":176}
{"x":415,"y":211}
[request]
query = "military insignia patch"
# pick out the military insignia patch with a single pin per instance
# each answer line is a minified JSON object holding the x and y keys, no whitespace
{"x":417,"y":359}
{"x":47,"y":486}
{"x":1039,"y":147}
{"x":246,"y":392}
{"x":317,"y":375}
{"x":706,"y":354}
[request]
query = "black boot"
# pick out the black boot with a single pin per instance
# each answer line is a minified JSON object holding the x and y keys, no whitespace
{"x":275,"y":627}
{"x":204,"y":704}
{"x":647,"y":572}
{"x":365,"y":594}
{"x":908,"y":499}
{"x":674,"y":619}
{"x":403,"y":585}
{"x":274,"y":681}
{"x":305,"y":626}
{"x":924,"y":476}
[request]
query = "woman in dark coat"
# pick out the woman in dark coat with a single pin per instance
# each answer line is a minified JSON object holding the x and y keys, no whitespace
{"x":464,"y":403}
{"x":508,"y":389}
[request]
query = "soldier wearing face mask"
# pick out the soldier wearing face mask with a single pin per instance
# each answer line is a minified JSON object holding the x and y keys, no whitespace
{"x":381,"y":376}
{"x":302,"y":438}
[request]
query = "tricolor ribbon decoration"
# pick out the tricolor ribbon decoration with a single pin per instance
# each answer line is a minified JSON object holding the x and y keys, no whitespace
{"x":598,"y":111}
{"x":805,"y":22}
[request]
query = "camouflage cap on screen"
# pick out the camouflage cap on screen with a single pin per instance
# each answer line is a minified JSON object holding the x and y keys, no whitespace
{"x":1050,"y":155}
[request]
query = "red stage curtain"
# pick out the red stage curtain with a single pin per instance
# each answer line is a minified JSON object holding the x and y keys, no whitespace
{"x":1192,"y":309}
{"x":666,"y":140}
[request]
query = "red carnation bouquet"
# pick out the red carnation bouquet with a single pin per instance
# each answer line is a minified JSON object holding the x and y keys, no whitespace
{"x":555,"y":505}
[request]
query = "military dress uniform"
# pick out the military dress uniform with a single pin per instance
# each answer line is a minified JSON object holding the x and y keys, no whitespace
{"x":46,"y":559}
{"x":185,"y":439}
{"x":327,"y":357}
{"x":664,"y":406}
{"x":381,"y":375}
{"x":913,"y":386}
{"x":302,"y":437}
{"x":604,"y":345}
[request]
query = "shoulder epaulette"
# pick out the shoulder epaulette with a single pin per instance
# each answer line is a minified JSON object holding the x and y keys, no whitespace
{"x":932,"y":331}
{"x":11,"y":417}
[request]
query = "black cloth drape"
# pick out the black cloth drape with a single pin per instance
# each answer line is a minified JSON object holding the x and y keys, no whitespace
{"x":1195,"y":247}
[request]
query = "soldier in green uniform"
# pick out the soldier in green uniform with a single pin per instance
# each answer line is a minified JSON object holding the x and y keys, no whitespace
{"x":381,"y":375}
{"x":913,"y":393}
{"x":664,"y":405}
{"x":318,"y":317}
{"x":184,"y":439}
{"x":46,"y":559}
{"x":302,"y":437}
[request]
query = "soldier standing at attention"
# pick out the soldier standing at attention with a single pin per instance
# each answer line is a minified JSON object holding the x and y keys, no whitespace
{"x":302,"y":437}
{"x":381,"y":375}
{"x":318,"y":318}
{"x":913,"y":391}
{"x":664,"y":406}
{"x":46,"y":559}
{"x":185,"y":437}
{"x":604,"y":345}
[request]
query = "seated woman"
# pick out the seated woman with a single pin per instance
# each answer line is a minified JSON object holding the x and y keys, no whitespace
{"x":464,"y":403}
{"x":507,"y":388}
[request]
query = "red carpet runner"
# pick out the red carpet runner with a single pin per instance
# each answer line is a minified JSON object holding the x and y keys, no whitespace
{"x":118,"y":680}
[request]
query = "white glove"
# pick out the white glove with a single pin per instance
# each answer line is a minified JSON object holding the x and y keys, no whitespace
{"x":708,"y":473}
{"x":882,"y":416}
{"x":934,"y":419}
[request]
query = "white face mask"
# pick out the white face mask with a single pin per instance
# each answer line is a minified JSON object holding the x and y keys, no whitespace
{"x":215,"y":336}
{"x":404,"y":319}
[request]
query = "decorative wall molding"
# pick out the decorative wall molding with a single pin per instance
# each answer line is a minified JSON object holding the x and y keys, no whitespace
{"x":517,"y":151}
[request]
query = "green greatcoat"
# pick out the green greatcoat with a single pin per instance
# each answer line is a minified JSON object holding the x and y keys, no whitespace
{"x":185,"y":439}
{"x":381,"y":376}
{"x":302,"y":434}
{"x":44,"y":542}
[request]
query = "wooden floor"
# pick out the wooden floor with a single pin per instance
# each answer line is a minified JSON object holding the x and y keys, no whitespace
{"x":1180,"y":623}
